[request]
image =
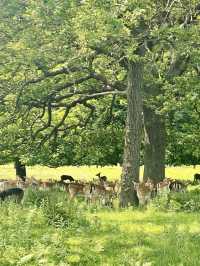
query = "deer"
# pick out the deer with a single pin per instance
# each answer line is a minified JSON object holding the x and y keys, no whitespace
{"x":7,"y":184}
{"x":67,"y":178}
{"x":144,"y":192}
{"x":101,"y":178}
{"x":103,"y":195}
{"x":163,"y":187}
{"x":74,"y":189}
{"x":196,"y":178}
{"x":14,"y":193}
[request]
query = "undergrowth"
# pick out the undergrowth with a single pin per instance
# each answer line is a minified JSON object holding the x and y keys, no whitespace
{"x":48,"y":229}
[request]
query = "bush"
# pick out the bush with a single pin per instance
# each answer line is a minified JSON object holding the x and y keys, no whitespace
{"x":28,"y":235}
{"x":188,"y":201}
{"x":58,"y":210}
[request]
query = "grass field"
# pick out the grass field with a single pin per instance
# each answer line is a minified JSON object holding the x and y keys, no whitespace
{"x":48,"y":230}
{"x":85,"y":172}
{"x":36,"y":235}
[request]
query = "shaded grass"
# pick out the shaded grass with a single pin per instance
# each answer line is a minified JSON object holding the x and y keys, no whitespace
{"x":29,"y":236}
{"x":158,"y":238}
{"x":88,"y":173}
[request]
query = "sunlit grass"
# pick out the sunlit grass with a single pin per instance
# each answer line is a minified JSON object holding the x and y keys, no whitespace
{"x":149,"y":236}
{"x":114,"y":237}
{"x":110,"y":237}
{"x":88,"y":173}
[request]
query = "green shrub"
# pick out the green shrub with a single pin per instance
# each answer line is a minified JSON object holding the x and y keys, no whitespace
{"x":188,"y":201}
{"x":45,"y":230}
{"x":58,"y":210}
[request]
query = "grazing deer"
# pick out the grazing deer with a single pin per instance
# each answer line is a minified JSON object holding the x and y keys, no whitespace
{"x":14,"y":193}
{"x":177,"y":186}
{"x":67,"y":178}
{"x":144,"y":192}
{"x":7,"y":184}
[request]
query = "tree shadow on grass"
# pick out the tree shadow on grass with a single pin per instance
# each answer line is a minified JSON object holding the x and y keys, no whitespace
{"x":128,"y":241}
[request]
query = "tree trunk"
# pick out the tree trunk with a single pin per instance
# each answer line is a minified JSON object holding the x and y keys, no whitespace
{"x":154,"y":151}
{"x":20,"y":169}
{"x":154,"y":148}
{"x":133,"y":132}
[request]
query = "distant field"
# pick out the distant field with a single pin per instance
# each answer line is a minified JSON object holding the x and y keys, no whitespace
{"x":87,"y":172}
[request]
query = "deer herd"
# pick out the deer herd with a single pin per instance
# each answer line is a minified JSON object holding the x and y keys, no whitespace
{"x":99,"y":190}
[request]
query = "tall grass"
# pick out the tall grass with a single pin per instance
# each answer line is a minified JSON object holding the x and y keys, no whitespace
{"x":48,"y":229}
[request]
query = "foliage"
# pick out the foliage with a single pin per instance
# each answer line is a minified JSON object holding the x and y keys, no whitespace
{"x":56,"y":207}
{"x":58,"y":71}
{"x":113,"y":238}
{"x":188,"y":201}
{"x":27,"y":238}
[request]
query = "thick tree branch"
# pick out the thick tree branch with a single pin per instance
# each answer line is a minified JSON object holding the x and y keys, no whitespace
{"x":48,"y":74}
{"x":48,"y":124}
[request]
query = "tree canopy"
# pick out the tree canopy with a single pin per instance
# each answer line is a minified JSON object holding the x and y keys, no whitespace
{"x":64,"y":69}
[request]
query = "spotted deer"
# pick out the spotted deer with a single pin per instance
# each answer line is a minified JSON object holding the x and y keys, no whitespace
{"x":144,"y":192}
{"x":177,"y":186}
{"x":101,"y":194}
{"x":171,"y":185}
{"x":163,"y":187}
{"x":8,"y":184}
{"x":80,"y":188}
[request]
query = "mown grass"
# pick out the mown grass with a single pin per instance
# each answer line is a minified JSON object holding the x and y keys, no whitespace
{"x":86,"y":172}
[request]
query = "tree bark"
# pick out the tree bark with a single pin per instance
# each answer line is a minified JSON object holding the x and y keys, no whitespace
{"x":154,"y":145}
{"x":133,"y":132}
{"x":20,"y":169}
{"x":154,"y":124}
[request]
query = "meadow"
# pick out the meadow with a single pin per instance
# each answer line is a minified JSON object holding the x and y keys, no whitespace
{"x":89,"y":172}
{"x":48,"y":229}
